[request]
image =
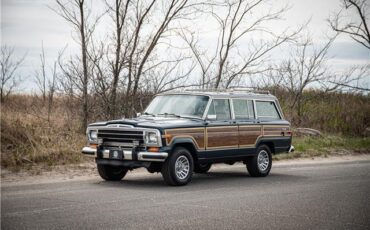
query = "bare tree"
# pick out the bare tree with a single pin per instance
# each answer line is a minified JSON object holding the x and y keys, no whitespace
{"x":52,"y":89}
{"x":142,"y":28}
{"x":101,"y":80}
{"x":9,"y":66}
{"x":305,"y":67}
{"x":142,"y":47}
{"x":40,"y":75}
{"x":77,"y":13}
{"x":351,"y":80}
{"x":47,"y":86}
{"x":200,"y":56}
{"x":358,"y":29}
{"x":238,"y":25}
{"x":118,"y":12}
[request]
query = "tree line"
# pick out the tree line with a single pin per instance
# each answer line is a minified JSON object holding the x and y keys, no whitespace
{"x":154,"y":46}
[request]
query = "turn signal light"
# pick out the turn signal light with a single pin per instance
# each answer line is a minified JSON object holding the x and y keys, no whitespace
{"x":168,"y":137}
{"x":153,"y":149}
{"x":94,"y":146}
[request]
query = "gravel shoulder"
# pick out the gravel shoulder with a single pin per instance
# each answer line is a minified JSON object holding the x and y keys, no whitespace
{"x":87,"y":170}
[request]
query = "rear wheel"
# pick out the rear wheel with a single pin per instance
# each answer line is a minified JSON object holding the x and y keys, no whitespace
{"x":260,"y":165}
{"x":202,"y":167}
{"x":112,"y":173}
{"x":178,"y":167}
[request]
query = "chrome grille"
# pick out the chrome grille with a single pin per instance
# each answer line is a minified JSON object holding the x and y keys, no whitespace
{"x":121,"y":137}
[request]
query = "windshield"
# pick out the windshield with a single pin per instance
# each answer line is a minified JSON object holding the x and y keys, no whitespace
{"x":178,"y":105}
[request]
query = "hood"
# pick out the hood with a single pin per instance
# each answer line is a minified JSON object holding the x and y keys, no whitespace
{"x":155,"y":122}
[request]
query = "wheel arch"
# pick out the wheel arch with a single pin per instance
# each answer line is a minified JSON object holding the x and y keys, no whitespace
{"x":186,"y":143}
{"x":269,"y":144}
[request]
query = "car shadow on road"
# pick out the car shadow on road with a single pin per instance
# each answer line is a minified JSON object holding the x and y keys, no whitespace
{"x":208,"y":180}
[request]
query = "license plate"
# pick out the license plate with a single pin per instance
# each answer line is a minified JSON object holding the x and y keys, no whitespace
{"x":116,"y":154}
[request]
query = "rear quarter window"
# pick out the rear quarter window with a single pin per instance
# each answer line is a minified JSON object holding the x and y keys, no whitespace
{"x":267,"y":109}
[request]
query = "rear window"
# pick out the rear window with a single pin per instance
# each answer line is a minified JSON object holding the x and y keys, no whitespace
{"x":267,"y":109}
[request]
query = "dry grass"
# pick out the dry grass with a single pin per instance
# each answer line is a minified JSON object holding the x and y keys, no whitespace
{"x":327,"y":145}
{"x":29,"y":139}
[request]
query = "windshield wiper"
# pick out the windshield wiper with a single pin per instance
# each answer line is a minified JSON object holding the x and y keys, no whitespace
{"x":190,"y":117}
{"x":149,"y":114}
{"x":169,"y":114}
{"x":180,"y":116}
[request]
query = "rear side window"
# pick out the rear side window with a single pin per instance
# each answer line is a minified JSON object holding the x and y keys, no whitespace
{"x":243,"y":109}
{"x":220,"y":108}
{"x":267,"y":109}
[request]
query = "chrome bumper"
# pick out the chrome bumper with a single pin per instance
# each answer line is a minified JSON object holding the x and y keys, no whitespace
{"x":291,"y":149}
{"x":127,"y":154}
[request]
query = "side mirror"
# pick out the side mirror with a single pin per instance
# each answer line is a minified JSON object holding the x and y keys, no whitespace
{"x":212,"y":117}
{"x":138,"y":114}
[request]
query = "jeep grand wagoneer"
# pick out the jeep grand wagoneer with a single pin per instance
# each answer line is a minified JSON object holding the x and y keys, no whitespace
{"x":186,"y":132}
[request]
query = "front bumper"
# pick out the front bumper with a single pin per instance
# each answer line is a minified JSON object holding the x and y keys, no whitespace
{"x":127,"y":154}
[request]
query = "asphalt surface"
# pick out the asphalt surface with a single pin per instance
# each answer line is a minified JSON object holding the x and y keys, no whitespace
{"x":324,"y":196}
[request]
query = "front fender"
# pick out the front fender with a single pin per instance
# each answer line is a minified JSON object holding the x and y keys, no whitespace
{"x":176,"y":141}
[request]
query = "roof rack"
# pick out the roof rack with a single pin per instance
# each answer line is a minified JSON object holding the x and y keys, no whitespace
{"x":232,"y":90}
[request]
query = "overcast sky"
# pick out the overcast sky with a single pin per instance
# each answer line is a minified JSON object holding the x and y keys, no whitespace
{"x":25,"y":24}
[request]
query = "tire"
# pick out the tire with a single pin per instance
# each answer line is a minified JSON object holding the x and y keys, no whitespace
{"x":202,"y":168}
{"x":111,"y":173}
{"x":263,"y":167}
{"x":183,"y":173}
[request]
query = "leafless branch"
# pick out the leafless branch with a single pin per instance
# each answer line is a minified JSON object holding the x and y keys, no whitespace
{"x":357,"y":30}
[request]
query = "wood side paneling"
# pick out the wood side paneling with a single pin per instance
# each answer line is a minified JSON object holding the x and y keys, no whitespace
{"x":276,"y":130}
{"x":227,"y":137}
{"x":222,"y":136}
{"x":248,"y":135}
{"x":197,"y":134}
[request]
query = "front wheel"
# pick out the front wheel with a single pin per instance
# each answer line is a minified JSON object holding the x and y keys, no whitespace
{"x":112,"y":173}
{"x":178,"y":167}
{"x":260,"y":165}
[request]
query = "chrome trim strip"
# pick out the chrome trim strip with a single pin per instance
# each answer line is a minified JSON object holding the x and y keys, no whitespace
{"x":127,"y":155}
{"x":120,"y":134}
{"x":141,"y":156}
{"x":89,"y":152}
{"x":118,"y":144}
{"x":105,"y":153}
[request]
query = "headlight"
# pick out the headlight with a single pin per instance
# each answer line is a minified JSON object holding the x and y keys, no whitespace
{"x":93,"y":135}
{"x":152,"y":138}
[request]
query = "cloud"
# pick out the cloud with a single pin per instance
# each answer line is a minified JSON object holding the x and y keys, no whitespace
{"x":349,"y":50}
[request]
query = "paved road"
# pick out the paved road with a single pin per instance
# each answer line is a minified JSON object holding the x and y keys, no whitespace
{"x":324,"y":196}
